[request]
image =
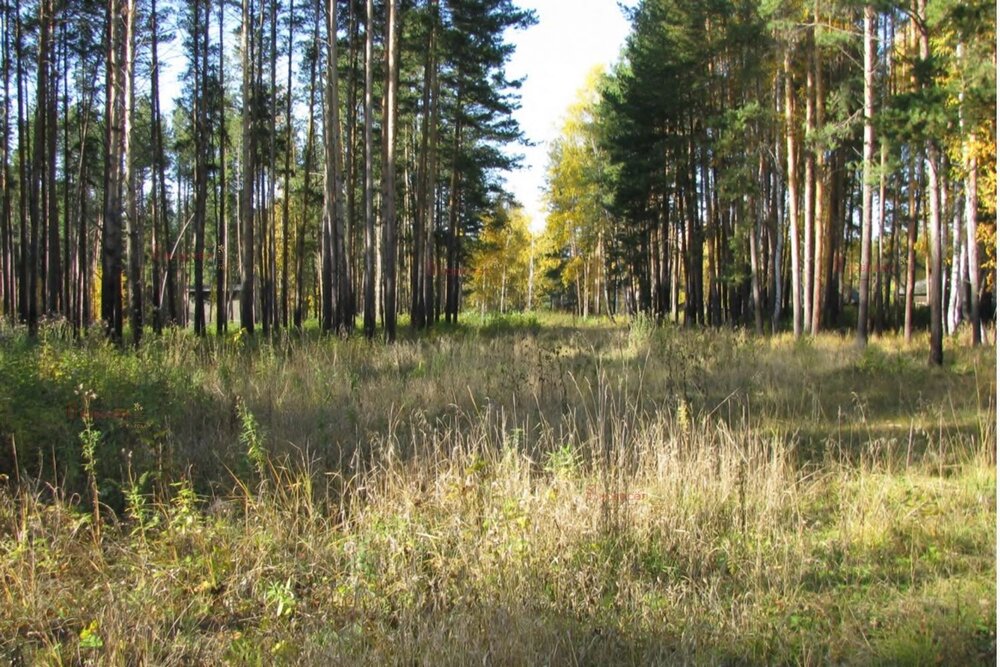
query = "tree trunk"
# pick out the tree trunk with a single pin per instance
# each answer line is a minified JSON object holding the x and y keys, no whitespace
{"x":867,"y":176}
{"x":286,"y":189}
{"x":956,"y":276}
{"x":369,"y":287}
{"x":200,"y":171}
{"x":935,"y":272}
{"x":307,"y":166}
{"x":221,"y":233}
{"x":24,"y":263}
{"x":881,"y":263}
{"x":248,"y":168}
{"x":451,"y":273}
{"x":421,"y":279}
{"x":135,"y":245}
{"x":431,"y":286}
{"x":111,"y":257}
{"x":338,"y":309}
{"x":809,"y":191}
{"x":819,"y":210}
{"x":9,"y":303}
{"x":913,"y":210}
{"x":36,"y":189}
{"x":793,"y":194}
{"x":972,"y":244}
{"x":389,"y":222}
{"x":934,"y":278}
{"x":168,"y":290}
{"x":971,"y":184}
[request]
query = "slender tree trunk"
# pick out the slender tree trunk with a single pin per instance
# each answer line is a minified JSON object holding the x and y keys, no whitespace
{"x":819,"y":192}
{"x":452,"y":278}
{"x":221,"y":233}
{"x":65,"y":295}
{"x":248,"y":168}
{"x":956,"y":276}
{"x":880,"y":262}
{"x":82,"y":271}
{"x":933,"y":163}
{"x":133,"y":224}
{"x":162,"y":312}
{"x":389,"y":222}
{"x":82,"y":315}
{"x":971,"y":184}
{"x":431,"y":286}
{"x":353,"y":129}
{"x":271,"y":217}
{"x":778,"y":216}
{"x":24,"y":263}
{"x":793,"y":194}
{"x":285,"y":189}
{"x":54,"y":305}
{"x":935,"y":272}
{"x":369,"y":312}
{"x":913,"y":210}
{"x":6,"y":220}
{"x":421,"y":285}
{"x":44,"y":198}
{"x":307,"y":166}
{"x":338,"y":308}
{"x":972,"y":243}
{"x":36,"y":189}
{"x":867,"y":175}
{"x":111,"y":263}
{"x":758,"y":306}
{"x":200,"y":96}
{"x":809,"y":191}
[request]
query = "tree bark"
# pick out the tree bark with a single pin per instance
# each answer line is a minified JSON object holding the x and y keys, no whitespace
{"x":111,"y":257}
{"x":221,"y":233}
{"x":307,"y":166}
{"x":6,"y":221}
{"x":369,"y":278}
{"x":933,"y":164}
{"x":389,"y":222}
{"x":248,"y":168}
{"x":913,"y":209}
{"x":971,"y":242}
{"x":820,"y":209}
{"x":793,"y":194}
{"x":867,"y":175}
{"x":168,"y":290}
{"x":286,"y":190}
{"x":24,"y":261}
{"x":338,"y":310}
{"x":135,"y":245}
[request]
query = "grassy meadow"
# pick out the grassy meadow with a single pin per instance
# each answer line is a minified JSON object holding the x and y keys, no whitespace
{"x":507,"y":491}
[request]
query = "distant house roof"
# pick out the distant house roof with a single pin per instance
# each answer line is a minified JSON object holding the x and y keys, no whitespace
{"x":919,"y":288}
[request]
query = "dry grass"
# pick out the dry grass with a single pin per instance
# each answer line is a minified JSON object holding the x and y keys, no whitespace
{"x":502,"y":496}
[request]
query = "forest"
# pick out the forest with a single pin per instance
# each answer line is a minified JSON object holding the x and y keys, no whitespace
{"x":289,"y":375}
{"x":322,"y":161}
{"x":777,"y":164}
{"x":781,"y":164}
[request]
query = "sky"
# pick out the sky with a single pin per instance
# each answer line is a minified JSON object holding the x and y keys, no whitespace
{"x":556,"y":54}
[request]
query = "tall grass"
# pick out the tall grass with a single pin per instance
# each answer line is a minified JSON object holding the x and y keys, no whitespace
{"x":526,"y":496}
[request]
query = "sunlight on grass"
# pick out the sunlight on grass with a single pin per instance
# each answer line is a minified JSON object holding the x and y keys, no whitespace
{"x":521,"y":492}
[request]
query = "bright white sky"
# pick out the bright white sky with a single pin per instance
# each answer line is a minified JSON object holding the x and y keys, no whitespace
{"x":556,"y":54}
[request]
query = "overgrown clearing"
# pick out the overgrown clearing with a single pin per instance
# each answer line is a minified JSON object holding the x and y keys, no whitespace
{"x":503,"y":492}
